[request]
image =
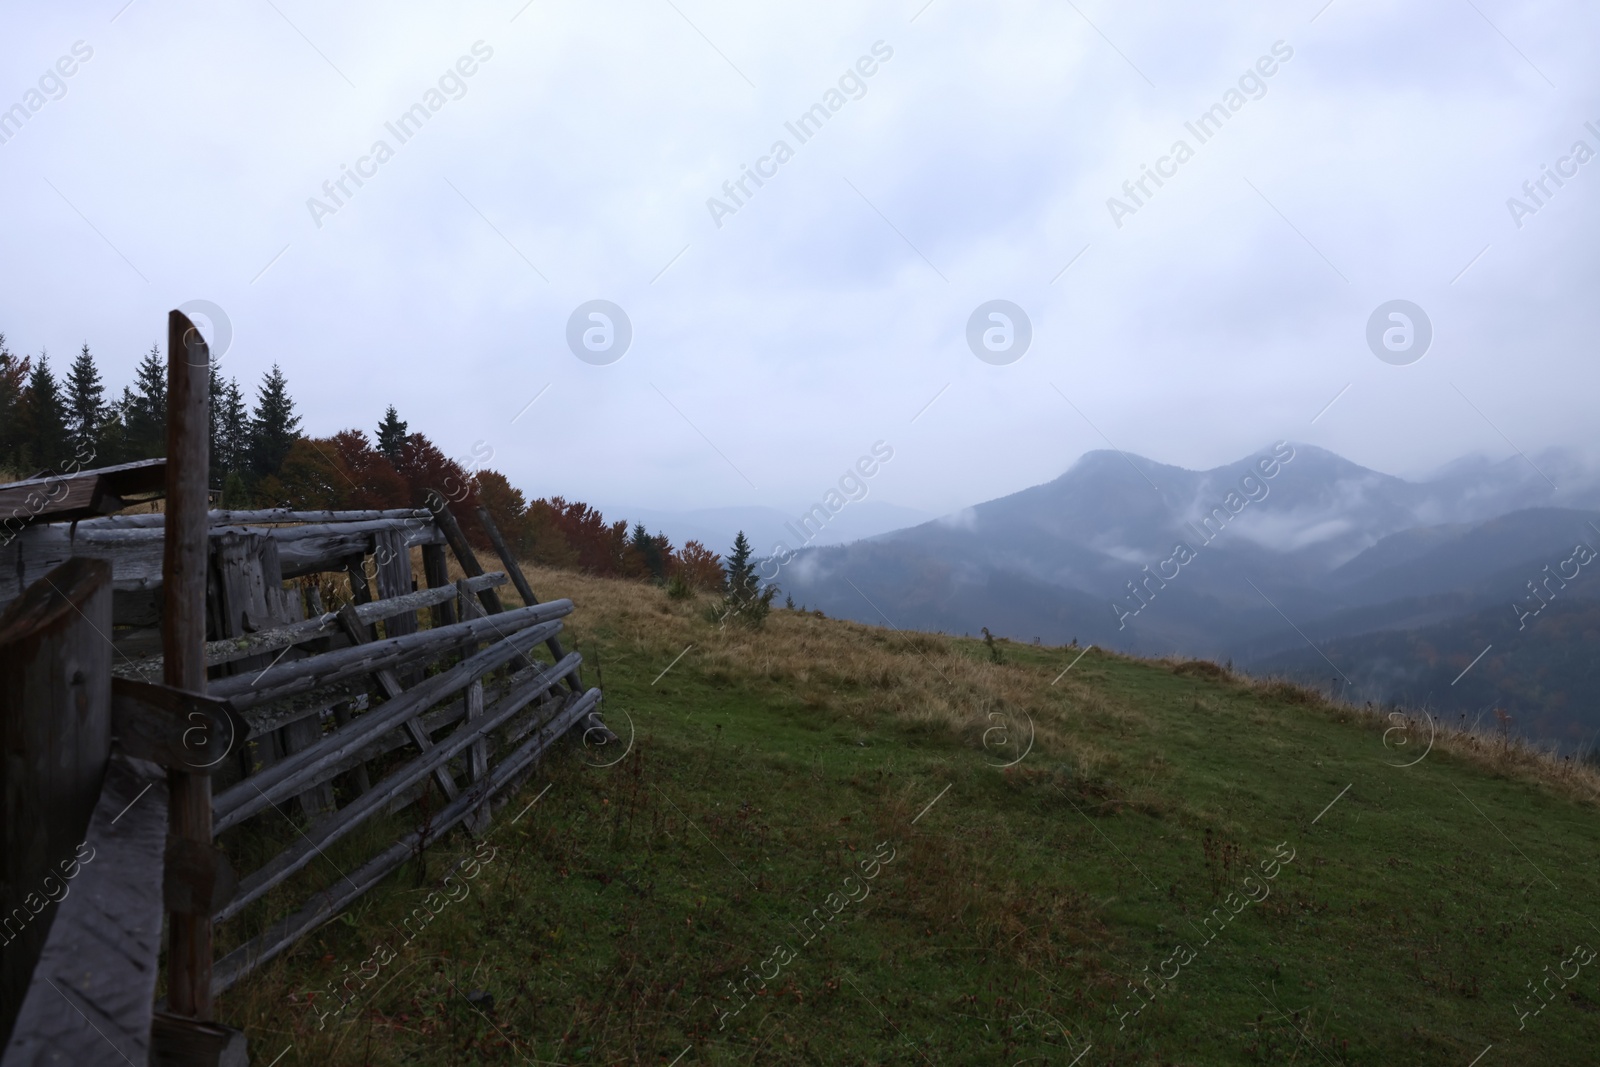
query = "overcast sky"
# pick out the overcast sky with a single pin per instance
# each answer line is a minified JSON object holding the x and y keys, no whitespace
{"x":775,"y":339}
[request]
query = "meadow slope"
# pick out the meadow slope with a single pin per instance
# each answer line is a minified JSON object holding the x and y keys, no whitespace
{"x":829,"y":843}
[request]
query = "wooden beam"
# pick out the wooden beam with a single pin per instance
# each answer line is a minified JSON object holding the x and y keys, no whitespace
{"x":325,"y":905}
{"x":313,"y":842}
{"x":313,"y":672}
{"x":291,"y":774}
{"x":436,"y":572}
{"x":389,"y":682}
{"x":463,"y":552}
{"x":252,"y":517}
{"x":524,"y":590}
{"x":183,"y":632}
{"x":55,"y":739}
{"x":79,"y":494}
{"x":176,"y":729}
{"x":100,"y":961}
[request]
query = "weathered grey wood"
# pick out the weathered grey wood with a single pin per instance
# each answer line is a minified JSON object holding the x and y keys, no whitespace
{"x":317,"y":800}
{"x":436,"y":572}
{"x":293,"y":773}
{"x":290,"y":678}
{"x":322,"y":907}
{"x":135,"y":554}
{"x":253,"y":517}
{"x":173,"y":728}
{"x":324,"y":835}
{"x":468,"y":559}
{"x":183,"y":633}
{"x":55,"y":738}
{"x":524,"y":590}
{"x":441,"y":718}
{"x":75,"y":494}
{"x":176,"y":1041}
{"x":392,"y":560}
{"x":389,"y":682}
{"x":324,"y":624}
{"x":96,"y":979}
{"x":478,"y":762}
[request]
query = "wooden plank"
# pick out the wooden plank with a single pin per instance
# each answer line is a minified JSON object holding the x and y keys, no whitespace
{"x":294,"y":772}
{"x":253,"y":517}
{"x":325,"y":905}
{"x":96,"y":979}
{"x":79,"y":494}
{"x":183,"y":632}
{"x":436,"y":572}
{"x":313,"y":842}
{"x":55,"y":739}
{"x":468,"y":559}
{"x":524,"y":590}
{"x":136,"y":554}
{"x":389,"y":682}
{"x":478,"y":759}
{"x":176,"y":729}
{"x":289,"y":678}
{"x":393,"y":562}
{"x":323,"y":625}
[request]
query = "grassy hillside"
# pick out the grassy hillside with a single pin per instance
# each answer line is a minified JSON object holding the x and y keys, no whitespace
{"x":812,"y":852}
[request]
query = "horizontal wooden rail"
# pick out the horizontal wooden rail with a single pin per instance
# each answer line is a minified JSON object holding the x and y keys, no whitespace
{"x":330,"y":830}
{"x":294,"y":773}
{"x":322,"y":907}
{"x":260,"y":515}
{"x":298,"y":676}
{"x":230,"y":649}
{"x":136,"y":554}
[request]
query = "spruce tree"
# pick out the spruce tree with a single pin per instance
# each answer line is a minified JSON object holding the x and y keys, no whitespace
{"x":233,"y":433}
{"x":86,"y":409}
{"x":218,"y":463}
{"x":273,"y":424}
{"x":391,"y":434}
{"x":745,"y":601}
{"x":145,"y":408}
{"x":49,"y":445}
{"x":13,"y":373}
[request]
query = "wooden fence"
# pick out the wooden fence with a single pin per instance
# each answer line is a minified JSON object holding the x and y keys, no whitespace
{"x":170,"y":682}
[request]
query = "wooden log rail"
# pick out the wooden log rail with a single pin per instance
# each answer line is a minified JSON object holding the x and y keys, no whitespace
{"x":136,"y":553}
{"x":324,"y":834}
{"x":232,"y":649}
{"x":325,"y":905}
{"x":300,"y":676}
{"x":300,"y":770}
{"x":259,"y":516}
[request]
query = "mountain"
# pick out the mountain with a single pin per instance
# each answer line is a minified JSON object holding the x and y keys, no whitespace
{"x":1265,"y":560}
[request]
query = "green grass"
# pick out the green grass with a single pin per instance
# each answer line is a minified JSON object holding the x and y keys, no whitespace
{"x":620,"y":910}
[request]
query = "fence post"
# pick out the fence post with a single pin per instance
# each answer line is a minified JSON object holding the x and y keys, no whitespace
{"x":183,"y":633}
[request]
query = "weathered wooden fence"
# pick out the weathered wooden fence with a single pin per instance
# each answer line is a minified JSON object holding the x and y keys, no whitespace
{"x":169,"y":682}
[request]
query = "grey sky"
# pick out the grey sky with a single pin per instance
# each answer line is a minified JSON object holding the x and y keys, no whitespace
{"x":832,"y":306}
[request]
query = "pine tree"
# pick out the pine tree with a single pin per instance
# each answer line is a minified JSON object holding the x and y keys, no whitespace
{"x":45,"y":421}
{"x":86,"y":409}
{"x":13,"y":373}
{"x":273,"y":424}
{"x":745,"y":601}
{"x":233,"y":434}
{"x":144,"y":413}
{"x":391,"y":434}
{"x":218,"y":463}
